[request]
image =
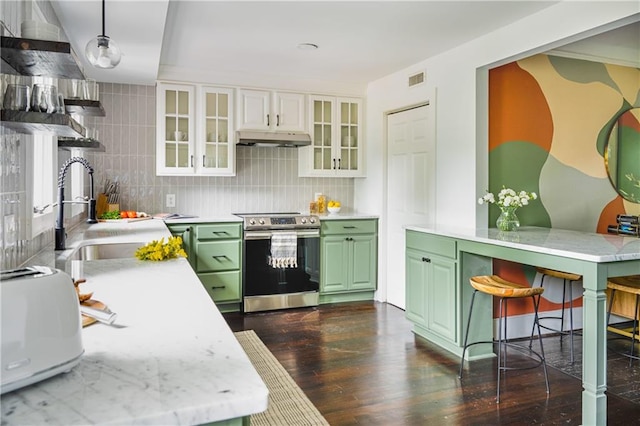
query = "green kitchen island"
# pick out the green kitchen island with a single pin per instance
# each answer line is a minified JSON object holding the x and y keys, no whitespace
{"x":440,"y":261}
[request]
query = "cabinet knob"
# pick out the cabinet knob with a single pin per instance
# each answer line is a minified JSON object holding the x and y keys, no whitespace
{"x":426,"y":259}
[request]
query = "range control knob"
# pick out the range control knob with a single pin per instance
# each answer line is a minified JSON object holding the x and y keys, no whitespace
{"x":312,"y":220}
{"x":252,"y":221}
{"x":303,"y":220}
{"x":261,"y":221}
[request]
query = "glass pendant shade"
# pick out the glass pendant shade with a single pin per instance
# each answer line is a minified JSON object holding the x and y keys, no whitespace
{"x":103,"y":52}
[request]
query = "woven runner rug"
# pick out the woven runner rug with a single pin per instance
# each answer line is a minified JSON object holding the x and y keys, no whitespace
{"x":288,"y":405}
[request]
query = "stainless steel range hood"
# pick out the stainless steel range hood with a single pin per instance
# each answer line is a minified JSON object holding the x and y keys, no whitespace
{"x":273,"y":139}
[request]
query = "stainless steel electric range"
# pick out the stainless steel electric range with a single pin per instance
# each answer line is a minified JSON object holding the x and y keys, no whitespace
{"x":281,"y":261}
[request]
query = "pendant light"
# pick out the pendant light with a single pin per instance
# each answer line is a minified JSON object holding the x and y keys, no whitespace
{"x":102,"y":52}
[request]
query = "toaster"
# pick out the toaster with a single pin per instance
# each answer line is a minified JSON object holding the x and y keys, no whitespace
{"x":41,"y":325}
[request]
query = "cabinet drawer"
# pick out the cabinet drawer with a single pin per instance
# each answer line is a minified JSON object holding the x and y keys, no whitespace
{"x":218,"y":256}
{"x":330,"y":227}
{"x":442,"y":246}
{"x":222,"y":286}
{"x":218,"y":231}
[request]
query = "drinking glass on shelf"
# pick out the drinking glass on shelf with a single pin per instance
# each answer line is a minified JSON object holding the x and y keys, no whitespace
{"x":91,"y":89}
{"x":61,"y":108}
{"x":76,"y":89}
{"x":16,"y":97}
{"x":44,"y":98}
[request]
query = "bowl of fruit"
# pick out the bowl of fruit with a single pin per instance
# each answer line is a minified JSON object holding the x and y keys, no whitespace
{"x":333,"y":206}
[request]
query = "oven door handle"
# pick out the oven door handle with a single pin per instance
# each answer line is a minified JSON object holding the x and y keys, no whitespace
{"x":266,"y":235}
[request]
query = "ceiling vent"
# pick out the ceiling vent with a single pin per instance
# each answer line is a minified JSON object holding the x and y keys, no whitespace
{"x":416,"y":79}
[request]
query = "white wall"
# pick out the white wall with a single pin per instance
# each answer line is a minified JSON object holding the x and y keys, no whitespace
{"x":459,"y":77}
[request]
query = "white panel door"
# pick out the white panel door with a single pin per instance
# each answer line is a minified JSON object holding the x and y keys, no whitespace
{"x":410,"y":187}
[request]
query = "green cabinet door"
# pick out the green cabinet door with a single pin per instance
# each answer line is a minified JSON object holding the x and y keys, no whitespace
{"x":441,"y":297}
{"x":416,"y":287}
{"x":334,"y":264}
{"x":362,"y":251}
{"x":185,"y":231}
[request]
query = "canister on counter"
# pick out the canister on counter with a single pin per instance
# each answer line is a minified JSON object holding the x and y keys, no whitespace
{"x":322,"y":204}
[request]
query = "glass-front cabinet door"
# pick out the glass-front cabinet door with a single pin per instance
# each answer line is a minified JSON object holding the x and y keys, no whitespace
{"x":216,"y":153}
{"x":322,"y":138}
{"x":195,"y":130}
{"x":336,"y":138}
{"x":175,"y":118}
{"x":349,"y":119}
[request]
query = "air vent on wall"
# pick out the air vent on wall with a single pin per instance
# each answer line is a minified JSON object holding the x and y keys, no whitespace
{"x":416,"y":79}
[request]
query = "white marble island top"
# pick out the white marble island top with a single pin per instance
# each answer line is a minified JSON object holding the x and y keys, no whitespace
{"x":561,"y":242}
{"x":170,"y":359}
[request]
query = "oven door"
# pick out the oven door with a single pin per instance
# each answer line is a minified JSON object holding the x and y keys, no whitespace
{"x":266,"y":287}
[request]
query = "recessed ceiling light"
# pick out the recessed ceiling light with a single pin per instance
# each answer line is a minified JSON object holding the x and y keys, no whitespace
{"x":307,"y":46}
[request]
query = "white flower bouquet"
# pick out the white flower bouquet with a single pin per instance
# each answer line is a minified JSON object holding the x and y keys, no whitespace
{"x":507,"y":197}
{"x":508,"y":201}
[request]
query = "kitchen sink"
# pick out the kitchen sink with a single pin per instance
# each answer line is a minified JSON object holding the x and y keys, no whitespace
{"x":105,"y":251}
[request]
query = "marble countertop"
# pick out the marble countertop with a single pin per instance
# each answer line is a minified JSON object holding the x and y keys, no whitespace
{"x":347,"y":216}
{"x":171,"y":359}
{"x":232,"y":218}
{"x":561,"y":242}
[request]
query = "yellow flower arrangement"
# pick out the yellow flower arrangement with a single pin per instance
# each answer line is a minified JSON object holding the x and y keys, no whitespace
{"x":159,"y":250}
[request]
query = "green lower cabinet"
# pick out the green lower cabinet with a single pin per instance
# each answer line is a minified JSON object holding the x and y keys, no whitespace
{"x":214,"y":251}
{"x":184,"y":231}
{"x":431,"y":289}
{"x":348,"y":260}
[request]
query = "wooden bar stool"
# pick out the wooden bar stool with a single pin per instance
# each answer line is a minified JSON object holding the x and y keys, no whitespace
{"x":631,"y":285}
{"x":493,"y":285}
{"x":568,"y":280}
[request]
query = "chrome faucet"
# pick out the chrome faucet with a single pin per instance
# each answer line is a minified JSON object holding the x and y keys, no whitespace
{"x":61,"y":236}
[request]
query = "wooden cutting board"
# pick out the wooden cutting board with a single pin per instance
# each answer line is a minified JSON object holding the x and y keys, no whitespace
{"x":95,"y":304}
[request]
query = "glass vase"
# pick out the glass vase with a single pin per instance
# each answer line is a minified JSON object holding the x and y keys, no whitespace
{"x":508,"y":220}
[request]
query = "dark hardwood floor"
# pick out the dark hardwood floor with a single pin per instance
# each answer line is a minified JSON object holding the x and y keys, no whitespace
{"x":360,"y":364}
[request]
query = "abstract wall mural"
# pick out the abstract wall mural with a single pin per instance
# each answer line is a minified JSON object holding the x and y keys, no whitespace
{"x":550,"y":123}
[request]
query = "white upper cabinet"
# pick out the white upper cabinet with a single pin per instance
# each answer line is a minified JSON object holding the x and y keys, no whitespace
{"x":194,"y":134}
{"x":216,"y":149}
{"x":336,"y":150}
{"x":176,"y":129}
{"x":270,"y":111}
